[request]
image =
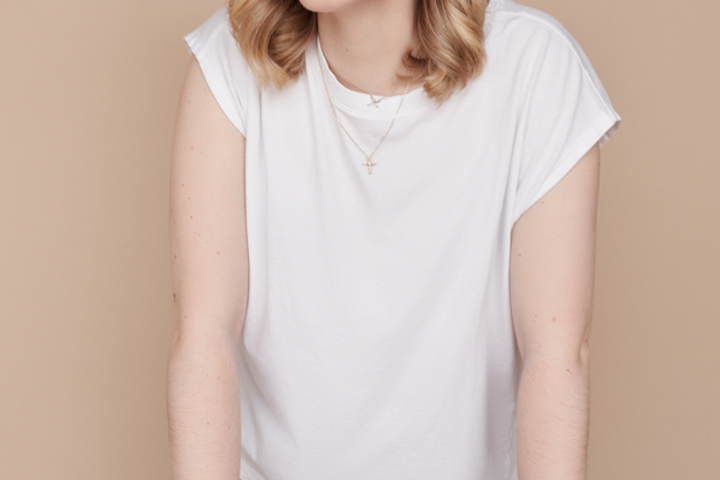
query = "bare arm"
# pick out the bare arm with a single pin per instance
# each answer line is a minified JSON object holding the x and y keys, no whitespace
{"x":551,"y":282}
{"x":210,"y":281}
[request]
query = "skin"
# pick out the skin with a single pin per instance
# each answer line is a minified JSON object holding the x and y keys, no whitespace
{"x":551,"y":269}
{"x":364,"y":41}
{"x":210,"y":282}
{"x":551,"y":289}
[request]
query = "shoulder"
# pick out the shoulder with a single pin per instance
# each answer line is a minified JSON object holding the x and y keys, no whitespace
{"x":213,"y":33}
{"x":533,"y":46}
{"x":222,"y":63}
{"x":214,"y":45}
{"x":532,"y":38}
{"x":521,"y":24}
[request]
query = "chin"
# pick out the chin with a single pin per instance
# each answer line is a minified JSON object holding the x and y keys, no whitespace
{"x":328,"y":6}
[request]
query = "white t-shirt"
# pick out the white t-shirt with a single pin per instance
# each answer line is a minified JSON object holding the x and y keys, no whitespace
{"x":378,"y":342}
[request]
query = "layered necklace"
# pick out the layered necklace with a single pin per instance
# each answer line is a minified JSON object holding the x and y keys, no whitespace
{"x":368,"y":156}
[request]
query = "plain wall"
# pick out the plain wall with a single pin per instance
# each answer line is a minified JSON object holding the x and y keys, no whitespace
{"x":88,"y":93}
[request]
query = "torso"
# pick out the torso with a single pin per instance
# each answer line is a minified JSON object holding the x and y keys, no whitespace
{"x":378,"y":341}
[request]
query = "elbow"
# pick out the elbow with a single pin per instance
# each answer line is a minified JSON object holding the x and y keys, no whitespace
{"x":574,"y":358}
{"x":203,"y":329}
{"x":584,"y":355}
{"x":577,"y":359}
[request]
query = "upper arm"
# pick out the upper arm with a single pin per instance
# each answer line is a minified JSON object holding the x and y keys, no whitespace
{"x":208,"y":240}
{"x":552,"y":266}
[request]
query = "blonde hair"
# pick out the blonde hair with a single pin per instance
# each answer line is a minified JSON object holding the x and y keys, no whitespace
{"x":273,"y":36}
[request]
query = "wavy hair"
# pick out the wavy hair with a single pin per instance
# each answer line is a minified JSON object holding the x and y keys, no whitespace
{"x":273,"y":36}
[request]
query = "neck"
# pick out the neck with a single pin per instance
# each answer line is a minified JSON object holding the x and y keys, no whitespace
{"x":364,"y":44}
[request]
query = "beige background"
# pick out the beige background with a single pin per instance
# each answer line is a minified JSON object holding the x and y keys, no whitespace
{"x":88,"y":92}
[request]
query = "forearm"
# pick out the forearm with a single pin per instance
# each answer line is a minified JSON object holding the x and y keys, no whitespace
{"x":552,"y":420}
{"x":204,"y":409}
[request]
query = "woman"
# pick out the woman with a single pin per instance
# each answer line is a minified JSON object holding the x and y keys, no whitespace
{"x":382,"y":230}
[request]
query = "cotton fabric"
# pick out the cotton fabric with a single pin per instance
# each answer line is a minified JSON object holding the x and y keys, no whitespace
{"x":378,"y":342}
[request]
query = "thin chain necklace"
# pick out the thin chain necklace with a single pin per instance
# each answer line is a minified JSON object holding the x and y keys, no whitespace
{"x":368,"y":163}
{"x":374,"y":99}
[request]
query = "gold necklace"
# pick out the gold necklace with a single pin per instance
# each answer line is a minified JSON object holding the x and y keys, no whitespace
{"x":374,"y":100}
{"x":368,"y":163}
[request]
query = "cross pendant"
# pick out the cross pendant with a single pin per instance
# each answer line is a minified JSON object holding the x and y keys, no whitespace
{"x":369,"y":164}
{"x":373,"y":102}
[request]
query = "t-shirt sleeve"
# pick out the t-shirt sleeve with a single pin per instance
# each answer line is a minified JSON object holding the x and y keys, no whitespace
{"x":565,"y":112}
{"x":224,"y":68}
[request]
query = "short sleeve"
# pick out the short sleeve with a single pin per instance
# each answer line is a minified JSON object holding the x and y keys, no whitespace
{"x":223,"y":66}
{"x":565,"y":112}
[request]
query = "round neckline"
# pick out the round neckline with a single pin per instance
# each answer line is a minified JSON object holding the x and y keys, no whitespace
{"x":358,"y":103}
